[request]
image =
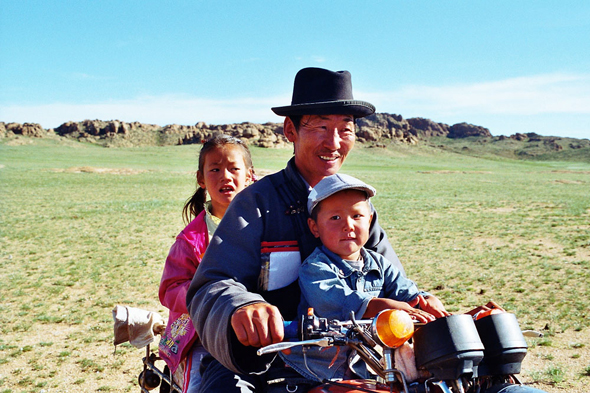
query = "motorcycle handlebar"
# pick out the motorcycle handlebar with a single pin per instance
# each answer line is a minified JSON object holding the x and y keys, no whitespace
{"x":291,"y":329}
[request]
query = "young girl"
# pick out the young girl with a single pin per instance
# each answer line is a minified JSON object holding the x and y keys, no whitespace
{"x":225,"y":168}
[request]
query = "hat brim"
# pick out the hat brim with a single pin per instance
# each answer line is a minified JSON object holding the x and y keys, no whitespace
{"x":341,"y":107}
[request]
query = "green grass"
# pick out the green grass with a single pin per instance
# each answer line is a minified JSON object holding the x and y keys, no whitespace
{"x":541,"y":149}
{"x":75,"y":241}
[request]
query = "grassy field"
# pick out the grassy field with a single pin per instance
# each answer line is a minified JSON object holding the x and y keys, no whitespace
{"x":83,"y":228}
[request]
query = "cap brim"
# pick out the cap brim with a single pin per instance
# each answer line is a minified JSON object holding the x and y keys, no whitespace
{"x":347,"y":107}
{"x":368,"y":190}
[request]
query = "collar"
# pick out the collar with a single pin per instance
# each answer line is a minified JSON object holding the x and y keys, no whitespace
{"x":211,"y":221}
{"x":295,"y":177}
{"x":345,"y":269}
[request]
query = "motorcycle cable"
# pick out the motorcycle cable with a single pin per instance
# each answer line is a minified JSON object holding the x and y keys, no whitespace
{"x":356,"y":388}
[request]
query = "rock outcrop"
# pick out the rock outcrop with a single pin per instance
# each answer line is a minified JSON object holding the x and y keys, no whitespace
{"x":426,"y":128}
{"x":519,"y":137}
{"x":264,"y":135}
{"x":380,"y":126}
{"x":118,"y":133}
{"x":464,"y":130}
{"x":27,"y":129}
{"x":383,"y":125}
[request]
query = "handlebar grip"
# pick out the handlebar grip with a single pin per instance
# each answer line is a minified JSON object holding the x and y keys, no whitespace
{"x":291,"y":329}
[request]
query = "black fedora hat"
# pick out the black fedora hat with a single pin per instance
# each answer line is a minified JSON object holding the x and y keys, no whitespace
{"x":318,"y":91}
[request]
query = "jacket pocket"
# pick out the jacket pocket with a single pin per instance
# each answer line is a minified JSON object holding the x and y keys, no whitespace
{"x":280,"y":263}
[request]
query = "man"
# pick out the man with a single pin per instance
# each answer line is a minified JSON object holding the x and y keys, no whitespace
{"x":247,"y":284}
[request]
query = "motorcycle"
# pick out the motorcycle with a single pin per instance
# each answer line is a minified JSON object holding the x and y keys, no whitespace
{"x":152,"y":377}
{"x":477,"y":352}
{"x":140,"y":328}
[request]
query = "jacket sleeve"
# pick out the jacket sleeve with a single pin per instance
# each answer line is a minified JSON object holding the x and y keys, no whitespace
{"x":179,"y":269}
{"x":395,"y":285}
{"x":227,"y":280}
{"x":379,"y":243}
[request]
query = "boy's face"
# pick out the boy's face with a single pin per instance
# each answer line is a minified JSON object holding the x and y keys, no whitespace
{"x":343,"y":223}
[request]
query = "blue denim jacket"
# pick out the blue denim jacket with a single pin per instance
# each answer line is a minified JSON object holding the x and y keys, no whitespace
{"x":333,"y":288}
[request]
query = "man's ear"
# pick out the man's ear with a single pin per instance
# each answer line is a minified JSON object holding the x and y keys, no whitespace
{"x":201,"y":180}
{"x":371,"y":218}
{"x":313,"y":227}
{"x":289,"y":130}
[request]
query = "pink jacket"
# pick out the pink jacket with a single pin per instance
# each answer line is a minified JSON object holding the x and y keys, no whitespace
{"x":181,"y":264}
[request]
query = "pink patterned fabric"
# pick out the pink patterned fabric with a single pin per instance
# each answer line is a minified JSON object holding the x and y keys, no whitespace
{"x":181,"y":264}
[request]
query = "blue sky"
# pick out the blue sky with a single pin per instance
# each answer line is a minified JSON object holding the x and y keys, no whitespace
{"x":510,"y":66}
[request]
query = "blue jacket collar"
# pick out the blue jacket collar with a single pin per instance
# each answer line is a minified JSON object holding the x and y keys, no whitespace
{"x":345,"y":269}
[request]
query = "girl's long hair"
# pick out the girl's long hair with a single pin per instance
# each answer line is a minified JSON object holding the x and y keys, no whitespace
{"x":196,"y":203}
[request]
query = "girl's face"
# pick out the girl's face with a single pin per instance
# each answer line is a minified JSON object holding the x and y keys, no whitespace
{"x":224,"y":175}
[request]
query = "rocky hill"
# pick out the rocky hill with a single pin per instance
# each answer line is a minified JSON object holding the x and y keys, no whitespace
{"x":380,"y":127}
{"x":379,"y":130}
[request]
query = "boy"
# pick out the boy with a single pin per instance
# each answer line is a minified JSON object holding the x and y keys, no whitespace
{"x":342,"y":276}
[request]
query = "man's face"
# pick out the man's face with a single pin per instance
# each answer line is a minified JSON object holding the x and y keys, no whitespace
{"x":321,"y":144}
{"x":343,"y":222}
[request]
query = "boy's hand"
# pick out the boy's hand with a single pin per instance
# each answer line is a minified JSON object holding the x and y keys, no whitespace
{"x":432,"y":305}
{"x":379,"y":304}
{"x":420,"y":315}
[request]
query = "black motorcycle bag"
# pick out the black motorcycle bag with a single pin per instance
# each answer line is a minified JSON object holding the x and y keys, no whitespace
{"x":449,"y":347}
{"x":505,"y":346}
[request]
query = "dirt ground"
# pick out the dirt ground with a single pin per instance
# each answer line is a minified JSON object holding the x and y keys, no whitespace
{"x":569,"y":352}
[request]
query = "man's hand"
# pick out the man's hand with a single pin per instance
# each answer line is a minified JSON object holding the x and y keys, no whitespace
{"x":258,"y":325}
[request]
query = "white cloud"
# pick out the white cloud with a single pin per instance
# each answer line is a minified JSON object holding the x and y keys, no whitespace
{"x":531,"y":95}
{"x":161,"y":110}
{"x":550,"y":104}
{"x":85,"y":76}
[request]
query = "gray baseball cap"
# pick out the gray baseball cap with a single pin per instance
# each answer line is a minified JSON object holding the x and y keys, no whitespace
{"x":330,"y":185}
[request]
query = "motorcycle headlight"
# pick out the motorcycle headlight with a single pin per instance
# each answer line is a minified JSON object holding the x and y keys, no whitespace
{"x":392,"y":328}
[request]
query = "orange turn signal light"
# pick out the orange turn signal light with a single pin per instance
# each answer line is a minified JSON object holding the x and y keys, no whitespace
{"x":392,"y":328}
